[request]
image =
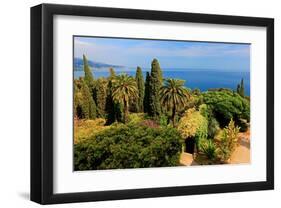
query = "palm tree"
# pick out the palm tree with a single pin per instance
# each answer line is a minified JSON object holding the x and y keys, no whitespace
{"x":174,"y":96}
{"x":124,"y":89}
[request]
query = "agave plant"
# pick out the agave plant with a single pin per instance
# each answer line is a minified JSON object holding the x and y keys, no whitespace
{"x":209,"y":148}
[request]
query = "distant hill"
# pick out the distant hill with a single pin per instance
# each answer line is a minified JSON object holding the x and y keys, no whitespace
{"x":78,"y":64}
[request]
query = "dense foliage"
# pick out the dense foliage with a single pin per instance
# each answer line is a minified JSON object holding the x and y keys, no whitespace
{"x":89,"y":80}
{"x":227,"y":105}
{"x":84,"y":105}
{"x":147,"y":96}
{"x":208,"y":148}
{"x":228,"y":141}
{"x":173,"y":96}
{"x":219,"y":150}
{"x":240,"y":88}
{"x":213,"y":125}
{"x":132,"y":146}
{"x":113,"y":109}
{"x":124,"y":89}
{"x":155,"y":84}
{"x":193,"y":124}
{"x":100,"y":94}
{"x":88,"y":128}
{"x":140,"y":86}
{"x":122,"y":121}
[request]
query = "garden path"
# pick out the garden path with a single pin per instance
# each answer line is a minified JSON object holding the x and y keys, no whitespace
{"x":240,"y":155}
{"x":186,"y":159}
{"x":242,"y":152}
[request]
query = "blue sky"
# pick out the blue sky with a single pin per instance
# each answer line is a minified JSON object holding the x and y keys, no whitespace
{"x":171,"y":54}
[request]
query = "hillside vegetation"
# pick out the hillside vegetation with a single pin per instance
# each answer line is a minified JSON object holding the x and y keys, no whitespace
{"x":122,"y":121}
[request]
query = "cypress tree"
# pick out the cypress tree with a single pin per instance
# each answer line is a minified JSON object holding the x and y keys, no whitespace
{"x":238,"y":89}
{"x":242,"y":90}
{"x":88,"y":106}
{"x":89,"y":79}
{"x":111,"y":115}
{"x":76,"y":99}
{"x":140,"y":86}
{"x":155,"y":85}
{"x":100,"y":94}
{"x":79,"y":111}
{"x":113,"y":110}
{"x":112,"y":73}
{"x":156,"y":66}
{"x":146,"y":100}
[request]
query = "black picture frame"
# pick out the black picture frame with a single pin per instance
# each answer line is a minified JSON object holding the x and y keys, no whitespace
{"x":42,"y":103}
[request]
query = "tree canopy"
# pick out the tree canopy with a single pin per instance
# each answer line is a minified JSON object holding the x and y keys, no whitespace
{"x":140,"y":85}
{"x":89,"y":79}
{"x":241,"y":89}
{"x":122,"y":121}
{"x":227,"y":105}
{"x":155,"y":84}
{"x":84,"y":104}
{"x":100,"y":95}
{"x":193,"y":124}
{"x":124,"y":88}
{"x":129,"y":146}
{"x":147,"y":96}
{"x":174,"y":96}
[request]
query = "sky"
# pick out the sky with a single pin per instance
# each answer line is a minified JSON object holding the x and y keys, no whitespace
{"x":170,"y":54}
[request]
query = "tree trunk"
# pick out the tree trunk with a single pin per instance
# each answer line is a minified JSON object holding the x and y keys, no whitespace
{"x":125,"y":111}
{"x":174,"y":116}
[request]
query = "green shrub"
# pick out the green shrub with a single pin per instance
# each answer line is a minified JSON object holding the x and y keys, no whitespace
{"x":208,"y":148}
{"x":242,"y":123}
{"x":85,"y":128}
{"x":135,"y":118}
{"x":129,"y":146}
{"x":213,"y":125}
{"x":84,"y":105}
{"x":228,"y":141}
{"x":163,"y":121}
{"x":227,"y":105}
{"x":195,"y":100}
{"x":193,"y":124}
{"x":150,"y":123}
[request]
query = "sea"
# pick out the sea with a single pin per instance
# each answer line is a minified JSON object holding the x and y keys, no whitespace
{"x":194,"y":78}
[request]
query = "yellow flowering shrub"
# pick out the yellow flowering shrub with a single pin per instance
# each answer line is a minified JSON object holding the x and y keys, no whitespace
{"x":87,"y":128}
{"x":193,"y":124}
{"x":228,"y":141}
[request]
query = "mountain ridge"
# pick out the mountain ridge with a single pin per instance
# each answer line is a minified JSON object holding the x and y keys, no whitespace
{"x":78,"y":64}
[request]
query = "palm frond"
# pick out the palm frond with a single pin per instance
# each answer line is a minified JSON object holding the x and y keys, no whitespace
{"x":174,"y":94}
{"x":124,"y":87}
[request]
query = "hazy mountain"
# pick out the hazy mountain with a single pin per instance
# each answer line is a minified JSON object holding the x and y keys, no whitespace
{"x":78,"y":64}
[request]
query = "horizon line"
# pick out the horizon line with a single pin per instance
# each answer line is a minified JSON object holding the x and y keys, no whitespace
{"x":116,"y":66}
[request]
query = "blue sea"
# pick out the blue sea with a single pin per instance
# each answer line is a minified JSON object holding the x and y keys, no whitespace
{"x":202,"y":79}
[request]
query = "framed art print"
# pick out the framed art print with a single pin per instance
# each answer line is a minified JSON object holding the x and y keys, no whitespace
{"x":135,"y":103}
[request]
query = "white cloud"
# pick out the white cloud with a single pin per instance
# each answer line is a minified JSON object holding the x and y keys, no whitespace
{"x":120,"y":55}
{"x":191,"y":51}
